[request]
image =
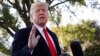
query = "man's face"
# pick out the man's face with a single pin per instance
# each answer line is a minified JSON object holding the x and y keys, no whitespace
{"x":40,"y":15}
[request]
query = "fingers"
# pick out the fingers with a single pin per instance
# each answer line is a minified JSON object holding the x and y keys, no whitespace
{"x":33,"y":31}
{"x":38,"y":37}
{"x":35,"y":41}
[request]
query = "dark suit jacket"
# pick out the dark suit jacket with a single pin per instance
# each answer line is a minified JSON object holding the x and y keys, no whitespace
{"x":20,"y":44}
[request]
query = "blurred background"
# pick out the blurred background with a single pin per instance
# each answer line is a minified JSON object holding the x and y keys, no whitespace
{"x":70,"y":19}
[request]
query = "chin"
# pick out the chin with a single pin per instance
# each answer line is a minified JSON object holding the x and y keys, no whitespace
{"x":42,"y":24}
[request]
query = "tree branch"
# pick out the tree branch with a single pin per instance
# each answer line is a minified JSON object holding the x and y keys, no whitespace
{"x":28,"y":3}
{"x":57,"y":4}
{"x":49,"y":1}
{"x":6,"y":28}
{"x":18,"y":7}
{"x":24,"y":9}
{"x":32,"y":1}
{"x":24,"y":15}
{"x":70,"y":10}
{"x":9,"y":31}
{"x":10,"y":2}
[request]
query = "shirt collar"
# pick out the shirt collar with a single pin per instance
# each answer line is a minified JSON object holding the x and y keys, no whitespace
{"x":38,"y":27}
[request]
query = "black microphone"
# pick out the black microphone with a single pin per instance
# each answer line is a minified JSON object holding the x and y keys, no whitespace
{"x":76,"y":48}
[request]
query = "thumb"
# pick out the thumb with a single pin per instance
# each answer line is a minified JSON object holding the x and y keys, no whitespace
{"x":38,"y":37}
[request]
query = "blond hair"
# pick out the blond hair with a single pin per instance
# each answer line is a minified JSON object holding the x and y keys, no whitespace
{"x":34,"y":5}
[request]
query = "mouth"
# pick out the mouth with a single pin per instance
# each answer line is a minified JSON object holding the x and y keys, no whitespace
{"x":41,"y":17}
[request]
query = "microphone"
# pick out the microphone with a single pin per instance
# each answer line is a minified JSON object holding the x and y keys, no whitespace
{"x":76,"y":48}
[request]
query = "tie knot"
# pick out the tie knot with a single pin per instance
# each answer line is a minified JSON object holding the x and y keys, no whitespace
{"x":44,"y":30}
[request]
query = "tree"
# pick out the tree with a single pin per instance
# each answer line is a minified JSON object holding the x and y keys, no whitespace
{"x":83,"y":32}
{"x":87,"y":33}
{"x":4,"y":43}
{"x":94,"y":48}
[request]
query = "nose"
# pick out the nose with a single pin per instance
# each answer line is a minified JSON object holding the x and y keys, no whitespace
{"x":41,"y":12}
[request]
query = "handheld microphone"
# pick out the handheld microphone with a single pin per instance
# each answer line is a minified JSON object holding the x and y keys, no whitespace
{"x":76,"y":48}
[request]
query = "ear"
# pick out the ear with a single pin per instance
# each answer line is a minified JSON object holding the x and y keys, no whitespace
{"x":31,"y":18}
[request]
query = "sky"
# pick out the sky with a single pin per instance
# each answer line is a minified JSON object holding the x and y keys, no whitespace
{"x":82,"y":12}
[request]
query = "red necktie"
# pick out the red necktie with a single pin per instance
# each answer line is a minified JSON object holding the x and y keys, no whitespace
{"x":50,"y":44}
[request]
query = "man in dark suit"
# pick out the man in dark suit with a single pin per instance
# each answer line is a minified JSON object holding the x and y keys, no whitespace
{"x":36,"y":40}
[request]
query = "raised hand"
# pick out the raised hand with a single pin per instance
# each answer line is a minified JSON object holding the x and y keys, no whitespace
{"x":33,"y":40}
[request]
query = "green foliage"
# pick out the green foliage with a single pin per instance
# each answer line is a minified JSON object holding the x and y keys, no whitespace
{"x":97,"y":33}
{"x":81,"y":32}
{"x":8,"y":19}
{"x":4,"y":49}
{"x":93,"y":50}
{"x":1,"y":1}
{"x":81,"y":2}
{"x":3,"y":42}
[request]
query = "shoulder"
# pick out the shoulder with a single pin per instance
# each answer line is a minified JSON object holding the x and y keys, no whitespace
{"x":22,"y":32}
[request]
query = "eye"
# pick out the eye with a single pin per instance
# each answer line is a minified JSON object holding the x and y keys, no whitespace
{"x":43,"y":10}
{"x":37,"y":11}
